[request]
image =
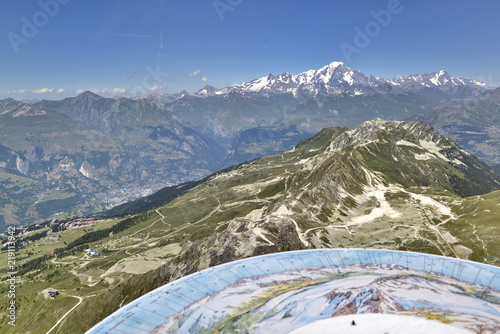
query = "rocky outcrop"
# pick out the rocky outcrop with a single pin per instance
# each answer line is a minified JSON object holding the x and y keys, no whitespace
{"x":88,"y":170}
{"x":22,"y":166}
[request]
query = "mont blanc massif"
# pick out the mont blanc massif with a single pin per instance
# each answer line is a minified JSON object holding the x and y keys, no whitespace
{"x":114,"y":197}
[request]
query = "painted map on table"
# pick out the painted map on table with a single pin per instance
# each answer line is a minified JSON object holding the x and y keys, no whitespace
{"x":280,"y":293}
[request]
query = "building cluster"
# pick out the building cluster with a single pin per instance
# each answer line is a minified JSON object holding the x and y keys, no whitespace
{"x":92,"y":252}
{"x":53,"y":294}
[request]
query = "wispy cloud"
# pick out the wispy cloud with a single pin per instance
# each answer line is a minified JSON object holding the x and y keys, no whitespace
{"x":57,"y":93}
{"x":108,"y":91}
{"x":194,"y":73}
{"x":19,"y":91}
{"x":157,"y":88}
{"x":43,"y":90}
{"x":123,"y":35}
{"x":95,"y":34}
{"x":204,"y":79}
{"x":161,"y":39}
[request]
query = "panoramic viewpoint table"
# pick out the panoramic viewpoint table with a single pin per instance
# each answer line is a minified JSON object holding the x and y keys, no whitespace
{"x":334,"y":290}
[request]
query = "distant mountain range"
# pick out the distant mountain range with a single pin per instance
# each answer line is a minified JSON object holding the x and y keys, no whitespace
{"x":336,"y":78}
{"x":474,"y":123}
{"x":88,"y":153}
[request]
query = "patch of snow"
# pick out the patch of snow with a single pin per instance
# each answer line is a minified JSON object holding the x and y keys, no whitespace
{"x":348,"y":77}
{"x":425,"y":156}
{"x":364,"y":143}
{"x":450,"y":238}
{"x":283,"y":211}
{"x":254,"y":215}
{"x":378,"y":323}
{"x":458,"y":162}
{"x":261,"y":83}
{"x":424,"y":200}
{"x":260,"y":233}
{"x":406,"y":143}
{"x":433,"y":148}
{"x":384,"y":209}
{"x":434,"y":151}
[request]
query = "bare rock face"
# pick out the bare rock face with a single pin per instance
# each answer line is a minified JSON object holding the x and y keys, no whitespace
{"x":237,"y":242}
{"x":88,"y":170}
{"x":286,"y":240}
{"x":22,"y":166}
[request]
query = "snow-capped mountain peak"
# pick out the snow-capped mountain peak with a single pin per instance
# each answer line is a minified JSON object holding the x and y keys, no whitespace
{"x":332,"y":78}
{"x":440,"y":78}
{"x":337,"y":78}
{"x":206,"y":91}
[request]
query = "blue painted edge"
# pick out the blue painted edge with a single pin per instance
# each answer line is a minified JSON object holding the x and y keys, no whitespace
{"x":110,"y":323}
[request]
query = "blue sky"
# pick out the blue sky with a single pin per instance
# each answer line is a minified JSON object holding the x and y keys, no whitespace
{"x":134,"y":47}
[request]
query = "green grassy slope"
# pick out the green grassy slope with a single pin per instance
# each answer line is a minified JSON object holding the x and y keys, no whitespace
{"x":383,"y":185}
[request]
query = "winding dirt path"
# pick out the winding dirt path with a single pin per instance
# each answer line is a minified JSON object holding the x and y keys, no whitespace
{"x":65,"y":315}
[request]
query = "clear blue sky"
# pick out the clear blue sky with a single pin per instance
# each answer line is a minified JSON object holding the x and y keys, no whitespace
{"x":127,"y":47}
